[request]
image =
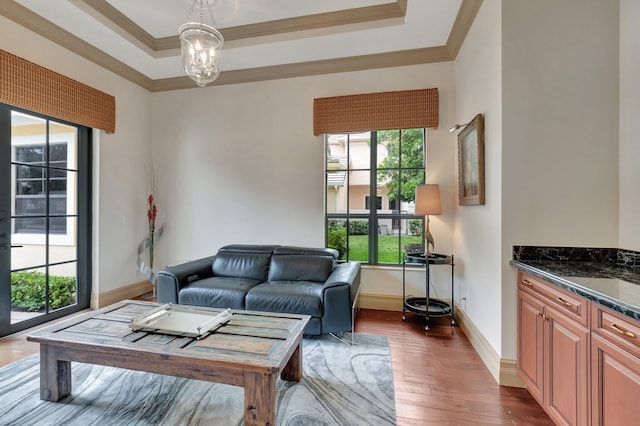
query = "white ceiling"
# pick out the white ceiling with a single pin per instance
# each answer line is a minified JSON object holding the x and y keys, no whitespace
{"x":142,"y":34}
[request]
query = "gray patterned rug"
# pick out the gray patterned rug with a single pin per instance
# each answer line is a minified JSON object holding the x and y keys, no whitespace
{"x":342,"y":385}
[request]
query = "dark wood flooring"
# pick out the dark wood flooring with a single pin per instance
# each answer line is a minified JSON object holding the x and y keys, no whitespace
{"x":438,"y":377}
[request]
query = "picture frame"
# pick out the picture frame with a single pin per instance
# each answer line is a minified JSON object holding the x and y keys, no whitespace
{"x":471,"y":163}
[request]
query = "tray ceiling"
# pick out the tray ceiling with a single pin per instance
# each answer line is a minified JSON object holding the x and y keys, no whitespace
{"x":264,"y":39}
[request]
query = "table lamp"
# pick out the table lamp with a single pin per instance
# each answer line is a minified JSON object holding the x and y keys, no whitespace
{"x":428,"y":203}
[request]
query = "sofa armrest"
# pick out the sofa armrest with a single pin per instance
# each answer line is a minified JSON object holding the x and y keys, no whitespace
{"x":347,"y":273}
{"x":340,"y":295}
{"x":172,"y":279}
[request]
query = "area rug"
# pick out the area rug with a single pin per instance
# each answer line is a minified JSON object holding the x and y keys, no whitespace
{"x":343,"y":384}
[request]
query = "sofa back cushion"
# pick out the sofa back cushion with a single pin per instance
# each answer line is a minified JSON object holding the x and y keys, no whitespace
{"x":306,"y":251}
{"x":300,"y":268}
{"x":241,"y":265}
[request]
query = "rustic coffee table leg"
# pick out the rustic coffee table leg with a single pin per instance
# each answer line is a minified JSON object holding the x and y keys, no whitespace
{"x":55,"y":375}
{"x":259,"y":399}
{"x":293,"y":370}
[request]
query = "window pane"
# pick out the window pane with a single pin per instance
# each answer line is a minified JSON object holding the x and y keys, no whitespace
{"x":28,"y":292}
{"x":58,"y":225}
{"x":413,"y":241}
{"x":58,"y":186}
{"x":67,"y":252}
{"x":337,"y":236}
{"x":62,"y":286}
{"x":30,"y":206}
{"x":358,"y":243}
{"x":30,"y":154}
{"x":391,"y":248}
{"x":29,"y":172}
{"x":58,"y":153}
{"x":388,"y":249}
{"x":412,"y":148}
{"x":360,"y":151}
{"x":29,"y":225}
{"x":29,"y":187}
{"x":388,"y":149}
{"x":387,"y":186}
{"x":337,"y":192}
{"x":358,"y":191}
{"x":28,"y":255}
{"x":62,"y":146}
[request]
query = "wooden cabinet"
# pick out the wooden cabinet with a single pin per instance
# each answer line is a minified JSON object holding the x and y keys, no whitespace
{"x":615,"y":371}
{"x":553,"y":349}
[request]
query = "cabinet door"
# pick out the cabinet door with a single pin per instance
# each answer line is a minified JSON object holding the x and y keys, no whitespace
{"x":615,"y":384}
{"x":566,"y":369}
{"x":531,"y":343}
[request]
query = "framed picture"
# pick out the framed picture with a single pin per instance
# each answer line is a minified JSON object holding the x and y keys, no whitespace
{"x":471,"y":163}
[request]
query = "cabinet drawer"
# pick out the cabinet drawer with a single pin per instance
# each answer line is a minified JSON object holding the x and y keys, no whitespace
{"x":617,"y":328}
{"x":573,"y":306}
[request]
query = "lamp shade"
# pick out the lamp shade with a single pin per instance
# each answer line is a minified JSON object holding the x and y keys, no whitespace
{"x":428,"y":200}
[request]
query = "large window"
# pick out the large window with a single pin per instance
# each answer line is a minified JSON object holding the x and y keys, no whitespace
{"x":385,"y":166}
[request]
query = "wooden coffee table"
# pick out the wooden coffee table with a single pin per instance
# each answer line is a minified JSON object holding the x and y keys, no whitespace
{"x":251,"y":350}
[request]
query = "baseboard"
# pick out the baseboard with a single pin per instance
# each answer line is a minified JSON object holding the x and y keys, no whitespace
{"x":127,"y":292}
{"x":509,"y":374}
{"x":503,"y":370}
{"x":380,"y":302}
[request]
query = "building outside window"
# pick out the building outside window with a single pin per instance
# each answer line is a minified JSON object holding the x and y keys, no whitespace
{"x":385,"y":166}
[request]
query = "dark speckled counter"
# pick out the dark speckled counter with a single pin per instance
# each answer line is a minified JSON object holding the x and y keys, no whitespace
{"x":610,"y":277}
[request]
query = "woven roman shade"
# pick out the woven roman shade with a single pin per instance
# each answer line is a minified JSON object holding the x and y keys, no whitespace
{"x":409,"y":109}
{"x":27,"y":85}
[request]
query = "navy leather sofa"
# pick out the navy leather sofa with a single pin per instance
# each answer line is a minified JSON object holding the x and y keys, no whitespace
{"x":270,"y":278}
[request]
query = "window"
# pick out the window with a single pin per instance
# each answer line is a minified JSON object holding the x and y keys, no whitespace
{"x":34,"y":179}
{"x":385,"y":166}
{"x":378,"y":203}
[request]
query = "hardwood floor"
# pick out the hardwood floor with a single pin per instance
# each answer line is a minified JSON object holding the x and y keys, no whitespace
{"x":438,"y":377}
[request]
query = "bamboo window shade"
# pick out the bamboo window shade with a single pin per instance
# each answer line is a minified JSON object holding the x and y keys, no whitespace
{"x":26,"y":85}
{"x":409,"y":109}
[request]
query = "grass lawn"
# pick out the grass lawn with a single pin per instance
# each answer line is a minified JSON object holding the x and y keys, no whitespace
{"x":390,"y":247}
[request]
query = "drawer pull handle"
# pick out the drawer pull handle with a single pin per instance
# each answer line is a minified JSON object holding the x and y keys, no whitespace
{"x":527,"y":283}
{"x":621,"y":331}
{"x":564,"y":302}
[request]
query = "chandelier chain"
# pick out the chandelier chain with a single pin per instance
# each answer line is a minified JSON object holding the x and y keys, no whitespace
{"x":193,"y":6}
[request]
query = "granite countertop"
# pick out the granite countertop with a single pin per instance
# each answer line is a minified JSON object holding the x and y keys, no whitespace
{"x":607,"y":278}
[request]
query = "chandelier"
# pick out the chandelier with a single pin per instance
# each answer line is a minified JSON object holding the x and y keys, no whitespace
{"x":200,"y":44}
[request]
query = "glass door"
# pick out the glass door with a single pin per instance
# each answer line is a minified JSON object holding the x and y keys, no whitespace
{"x":43,"y":219}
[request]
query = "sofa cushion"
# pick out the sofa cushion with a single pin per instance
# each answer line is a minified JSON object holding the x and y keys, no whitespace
{"x":217,"y":292}
{"x":306,"y":251}
{"x":300,"y":268}
{"x":291,"y":297}
{"x":247,"y":248}
{"x":242,"y":265}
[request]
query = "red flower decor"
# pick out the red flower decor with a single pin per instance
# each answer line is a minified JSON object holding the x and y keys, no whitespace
{"x":152,"y":212}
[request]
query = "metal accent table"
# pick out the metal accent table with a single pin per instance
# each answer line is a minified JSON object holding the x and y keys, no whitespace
{"x":426,"y":306}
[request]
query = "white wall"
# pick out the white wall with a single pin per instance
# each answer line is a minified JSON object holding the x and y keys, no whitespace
{"x":629,"y":125}
{"x":478,"y":81}
{"x":119,"y":158}
{"x":559,"y":131}
{"x":240,"y":163}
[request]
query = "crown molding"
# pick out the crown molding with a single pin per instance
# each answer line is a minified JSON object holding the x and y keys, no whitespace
{"x":34,"y":22}
{"x":464,"y":19}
